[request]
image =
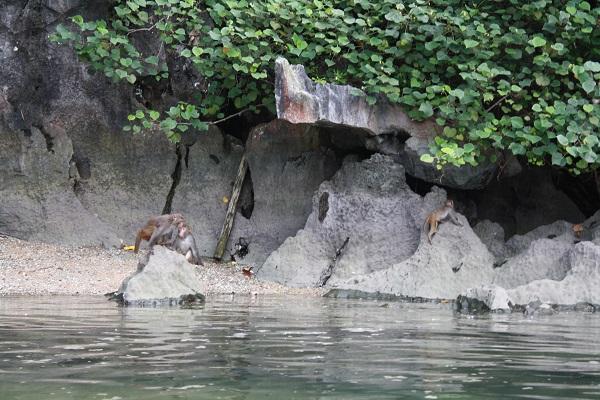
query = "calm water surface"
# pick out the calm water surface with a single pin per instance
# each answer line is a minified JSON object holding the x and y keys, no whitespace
{"x":290,"y":348}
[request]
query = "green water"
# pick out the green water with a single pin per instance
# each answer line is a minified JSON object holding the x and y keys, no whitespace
{"x":290,"y":348}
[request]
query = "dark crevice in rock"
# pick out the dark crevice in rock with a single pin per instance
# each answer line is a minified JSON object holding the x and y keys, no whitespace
{"x":418,"y":186}
{"x":176,"y":176}
{"x":84,"y":166}
{"x":323,"y":206}
{"x":580,"y":189}
{"x":187,"y":156}
{"x":49,"y":139}
{"x":240,"y":126}
{"x":245,"y":204}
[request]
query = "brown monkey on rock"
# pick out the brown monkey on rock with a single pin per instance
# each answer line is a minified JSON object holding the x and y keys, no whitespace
{"x":173,"y":231}
{"x":148,"y":231}
{"x":433,"y":219}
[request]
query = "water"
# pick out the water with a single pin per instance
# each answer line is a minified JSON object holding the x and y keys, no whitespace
{"x":290,"y":348}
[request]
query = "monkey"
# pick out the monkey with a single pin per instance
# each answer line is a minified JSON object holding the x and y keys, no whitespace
{"x":578,"y":230}
{"x":438,"y":215}
{"x":186,"y":244}
{"x":147,"y":232}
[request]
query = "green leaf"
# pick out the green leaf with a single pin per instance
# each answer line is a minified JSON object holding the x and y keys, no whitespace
{"x":427,"y":158}
{"x":589,"y":86}
{"x":537,"y":41}
{"x":592,"y":66}
{"x":562,"y":139}
{"x":426,"y":109}
{"x":168,"y":124}
{"x":588,"y":108}
{"x":470,"y":43}
{"x":154,"y":115}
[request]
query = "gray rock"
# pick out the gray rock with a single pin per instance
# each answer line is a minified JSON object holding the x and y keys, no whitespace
{"x":537,"y":308}
{"x":300,"y":100}
{"x":558,"y":231}
{"x":370,"y":203}
{"x":166,"y":278}
{"x":208,"y":172}
{"x":456,"y":261}
{"x":287,"y":163}
{"x":492,"y":235}
{"x":62,"y":6}
{"x":543,"y":259}
{"x":483,"y":299}
{"x":581,"y":284}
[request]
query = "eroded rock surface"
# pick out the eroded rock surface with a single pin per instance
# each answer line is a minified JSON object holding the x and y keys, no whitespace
{"x":370,"y":203}
{"x":385,"y":126}
{"x":72,"y":176}
{"x":287,"y":163}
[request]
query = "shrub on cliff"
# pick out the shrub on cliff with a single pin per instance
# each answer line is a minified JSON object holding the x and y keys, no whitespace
{"x":497,"y":75}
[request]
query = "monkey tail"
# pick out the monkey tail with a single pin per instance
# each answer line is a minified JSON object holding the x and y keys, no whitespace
{"x":138,"y":239}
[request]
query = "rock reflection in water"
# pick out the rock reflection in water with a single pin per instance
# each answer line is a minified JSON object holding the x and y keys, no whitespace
{"x":287,"y":347}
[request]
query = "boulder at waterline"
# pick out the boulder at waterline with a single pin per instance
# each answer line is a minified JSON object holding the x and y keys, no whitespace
{"x":166,"y":278}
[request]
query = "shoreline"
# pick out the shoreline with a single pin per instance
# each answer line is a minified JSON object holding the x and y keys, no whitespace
{"x":30,"y":268}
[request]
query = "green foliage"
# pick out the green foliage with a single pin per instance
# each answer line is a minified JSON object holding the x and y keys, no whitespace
{"x":502,"y":75}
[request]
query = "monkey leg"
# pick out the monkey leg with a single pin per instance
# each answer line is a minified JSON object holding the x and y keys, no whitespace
{"x":433,"y":225}
{"x":143,"y":234}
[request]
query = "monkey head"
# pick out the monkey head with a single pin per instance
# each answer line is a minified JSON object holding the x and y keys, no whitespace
{"x":450,"y":203}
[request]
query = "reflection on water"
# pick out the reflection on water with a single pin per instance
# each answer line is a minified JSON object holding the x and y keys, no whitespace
{"x":290,"y":348}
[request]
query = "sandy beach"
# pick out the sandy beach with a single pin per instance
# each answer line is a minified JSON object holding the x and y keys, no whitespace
{"x":34,"y":268}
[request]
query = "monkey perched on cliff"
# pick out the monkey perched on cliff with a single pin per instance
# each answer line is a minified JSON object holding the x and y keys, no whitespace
{"x":161,"y":223}
{"x":433,"y":219}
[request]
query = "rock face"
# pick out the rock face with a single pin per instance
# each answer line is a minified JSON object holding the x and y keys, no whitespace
{"x":300,"y":100}
{"x":456,"y":260}
{"x":167,"y":278}
{"x":581,"y":283}
{"x":544,"y":258}
{"x":370,"y":203}
{"x":578,"y":288}
{"x":71,"y":176}
{"x":287,"y":163}
{"x":208,"y":172}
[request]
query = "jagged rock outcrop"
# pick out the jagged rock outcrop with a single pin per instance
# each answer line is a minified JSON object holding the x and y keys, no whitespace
{"x":287,"y":163}
{"x":579,"y":289}
{"x":166,"y":278}
{"x":581,"y":283}
{"x":543,"y":259}
{"x":454,"y":262}
{"x":370,"y":203}
{"x":300,"y":100}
